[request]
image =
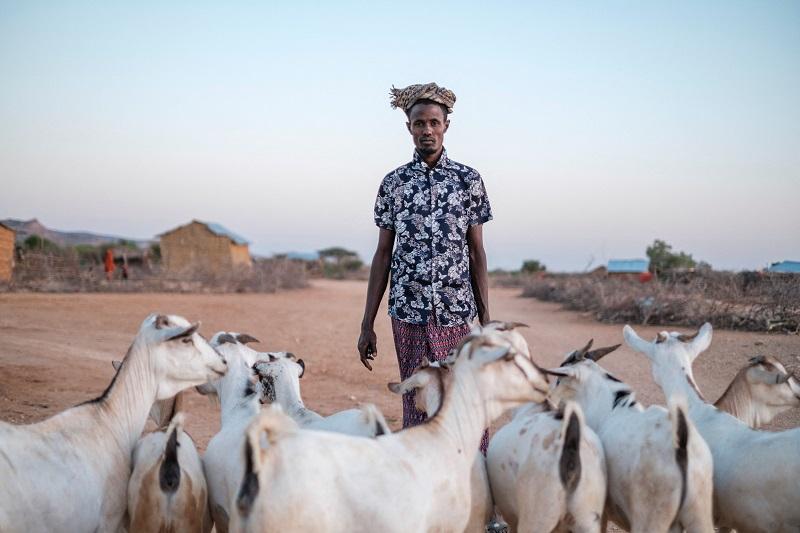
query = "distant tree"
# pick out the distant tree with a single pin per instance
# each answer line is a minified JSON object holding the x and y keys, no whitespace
{"x":531,"y":266}
{"x":339,"y":261}
{"x":663,"y":259}
{"x":40,"y":244}
{"x":155,"y":252}
{"x":125,"y":243}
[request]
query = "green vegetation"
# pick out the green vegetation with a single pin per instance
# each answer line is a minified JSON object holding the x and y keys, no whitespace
{"x":663,"y":259}
{"x":40,"y":244}
{"x":531,"y":266}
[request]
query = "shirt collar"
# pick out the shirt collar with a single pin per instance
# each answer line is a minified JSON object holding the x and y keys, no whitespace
{"x":418,"y":161}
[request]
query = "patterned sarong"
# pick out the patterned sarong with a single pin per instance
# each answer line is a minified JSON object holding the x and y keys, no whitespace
{"x":412,"y":342}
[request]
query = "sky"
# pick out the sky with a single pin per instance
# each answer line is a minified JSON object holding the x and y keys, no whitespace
{"x":597,"y":126}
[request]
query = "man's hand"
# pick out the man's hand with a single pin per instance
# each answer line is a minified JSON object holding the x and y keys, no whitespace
{"x":367,"y":347}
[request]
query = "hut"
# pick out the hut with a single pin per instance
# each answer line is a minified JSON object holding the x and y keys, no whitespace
{"x":7,"y":236}
{"x":785,"y":267}
{"x":203,"y":247}
{"x":629,"y":268}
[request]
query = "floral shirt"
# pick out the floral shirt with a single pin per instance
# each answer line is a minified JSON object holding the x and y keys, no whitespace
{"x":430,"y":209}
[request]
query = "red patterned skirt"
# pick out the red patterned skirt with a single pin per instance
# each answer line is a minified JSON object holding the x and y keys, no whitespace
{"x":412,"y":342}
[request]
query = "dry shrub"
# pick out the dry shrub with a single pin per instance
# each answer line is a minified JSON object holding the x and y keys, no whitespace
{"x":746,"y":301}
{"x":45,"y":272}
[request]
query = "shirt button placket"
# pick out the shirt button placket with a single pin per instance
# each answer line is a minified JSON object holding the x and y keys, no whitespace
{"x":431,"y":187}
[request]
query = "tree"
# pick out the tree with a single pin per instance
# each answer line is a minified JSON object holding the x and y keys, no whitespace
{"x":39,"y":243}
{"x":531,"y":266}
{"x":663,"y":259}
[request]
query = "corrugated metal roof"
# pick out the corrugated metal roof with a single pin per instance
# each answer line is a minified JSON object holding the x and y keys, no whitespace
{"x":222,"y":231}
{"x":789,"y":267}
{"x":628,"y":265}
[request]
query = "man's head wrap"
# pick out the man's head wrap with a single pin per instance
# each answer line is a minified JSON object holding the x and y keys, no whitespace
{"x":407,"y":97}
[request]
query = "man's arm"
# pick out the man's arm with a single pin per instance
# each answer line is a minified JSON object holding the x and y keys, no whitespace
{"x":477,"y":269}
{"x":378,"y":278}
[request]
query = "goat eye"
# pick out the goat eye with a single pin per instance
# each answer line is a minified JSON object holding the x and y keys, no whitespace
{"x":187,"y":340}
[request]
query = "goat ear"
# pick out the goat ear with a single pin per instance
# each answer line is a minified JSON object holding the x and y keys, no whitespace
{"x":702,"y":340}
{"x":206,"y":389}
{"x":302,"y":366}
{"x":596,"y":355}
{"x":757,"y":360}
{"x":246,"y":338}
{"x":635,"y":341}
{"x":186,"y":332}
{"x":661,"y":337}
{"x":161,"y":322}
{"x":413,"y":382}
{"x":561,"y":372}
{"x":506,"y":326}
{"x":225,"y":338}
{"x":117,"y":365}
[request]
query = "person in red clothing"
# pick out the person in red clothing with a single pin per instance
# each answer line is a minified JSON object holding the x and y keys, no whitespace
{"x":109,"y":264}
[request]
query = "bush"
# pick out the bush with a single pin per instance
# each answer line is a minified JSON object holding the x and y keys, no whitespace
{"x":766,"y":302}
{"x":531,"y":266}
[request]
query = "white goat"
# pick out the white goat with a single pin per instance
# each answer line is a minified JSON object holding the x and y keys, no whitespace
{"x":659,"y":467}
{"x":547,"y":471}
{"x":756,"y":473}
{"x":240,"y":402}
{"x":167,"y":490}
{"x":70,"y":472}
{"x":760,"y":391}
{"x":280,"y":379}
{"x":414,"y":480}
{"x":428,"y":380}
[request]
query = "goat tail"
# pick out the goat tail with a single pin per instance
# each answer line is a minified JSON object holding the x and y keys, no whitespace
{"x":169,"y":474}
{"x":374,"y":419}
{"x":678,"y":409}
{"x":569,"y":465}
{"x":275,"y":424}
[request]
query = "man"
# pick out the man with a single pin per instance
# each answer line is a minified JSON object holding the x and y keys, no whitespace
{"x":434,"y":209}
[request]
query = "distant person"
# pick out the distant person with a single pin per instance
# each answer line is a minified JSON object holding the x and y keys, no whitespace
{"x":109,"y":264}
{"x":434,"y":208}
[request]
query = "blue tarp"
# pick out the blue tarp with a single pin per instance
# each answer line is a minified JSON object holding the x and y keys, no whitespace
{"x":633,"y":266}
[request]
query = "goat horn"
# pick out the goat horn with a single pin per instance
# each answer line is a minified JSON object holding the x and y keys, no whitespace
{"x":688,"y":338}
{"x":244,"y":338}
{"x":554,"y":373}
{"x":596,"y":355}
{"x":505,"y":326}
{"x":583,"y":351}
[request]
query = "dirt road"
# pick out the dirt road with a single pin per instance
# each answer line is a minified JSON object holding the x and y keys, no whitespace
{"x":56,"y":349}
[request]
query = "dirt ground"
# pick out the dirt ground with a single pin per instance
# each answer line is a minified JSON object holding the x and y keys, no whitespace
{"x":56,"y":349}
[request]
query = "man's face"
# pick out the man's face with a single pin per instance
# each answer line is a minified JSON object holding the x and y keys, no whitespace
{"x":427,"y":125}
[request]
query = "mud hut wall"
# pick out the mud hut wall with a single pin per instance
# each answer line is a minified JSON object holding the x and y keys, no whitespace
{"x":193,"y":248}
{"x":6,"y":253}
{"x":240,"y":255}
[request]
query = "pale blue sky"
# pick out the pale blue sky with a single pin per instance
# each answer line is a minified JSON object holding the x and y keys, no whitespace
{"x":598,"y":126}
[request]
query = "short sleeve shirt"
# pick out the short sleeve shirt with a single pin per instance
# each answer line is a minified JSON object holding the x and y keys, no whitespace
{"x":430,"y":210}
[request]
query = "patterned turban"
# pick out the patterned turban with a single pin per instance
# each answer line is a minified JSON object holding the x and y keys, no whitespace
{"x":407,"y":97}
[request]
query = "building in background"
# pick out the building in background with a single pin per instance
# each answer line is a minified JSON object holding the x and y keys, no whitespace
{"x":203,"y":247}
{"x":631,"y":268}
{"x":785,"y":267}
{"x":7,"y":237}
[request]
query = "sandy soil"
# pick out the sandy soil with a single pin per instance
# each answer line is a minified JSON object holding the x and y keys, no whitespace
{"x":56,"y":349}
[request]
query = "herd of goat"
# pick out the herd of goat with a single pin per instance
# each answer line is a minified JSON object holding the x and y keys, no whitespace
{"x":579,"y":450}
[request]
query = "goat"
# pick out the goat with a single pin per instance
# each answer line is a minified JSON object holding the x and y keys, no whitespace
{"x":756,"y":473}
{"x":760,"y":391}
{"x":547,"y":471}
{"x":70,"y":472}
{"x":323,"y":481}
{"x":659,"y":467}
{"x":280,"y":378}
{"x":240,"y":402}
{"x":428,"y":381}
{"x":167,"y":489}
